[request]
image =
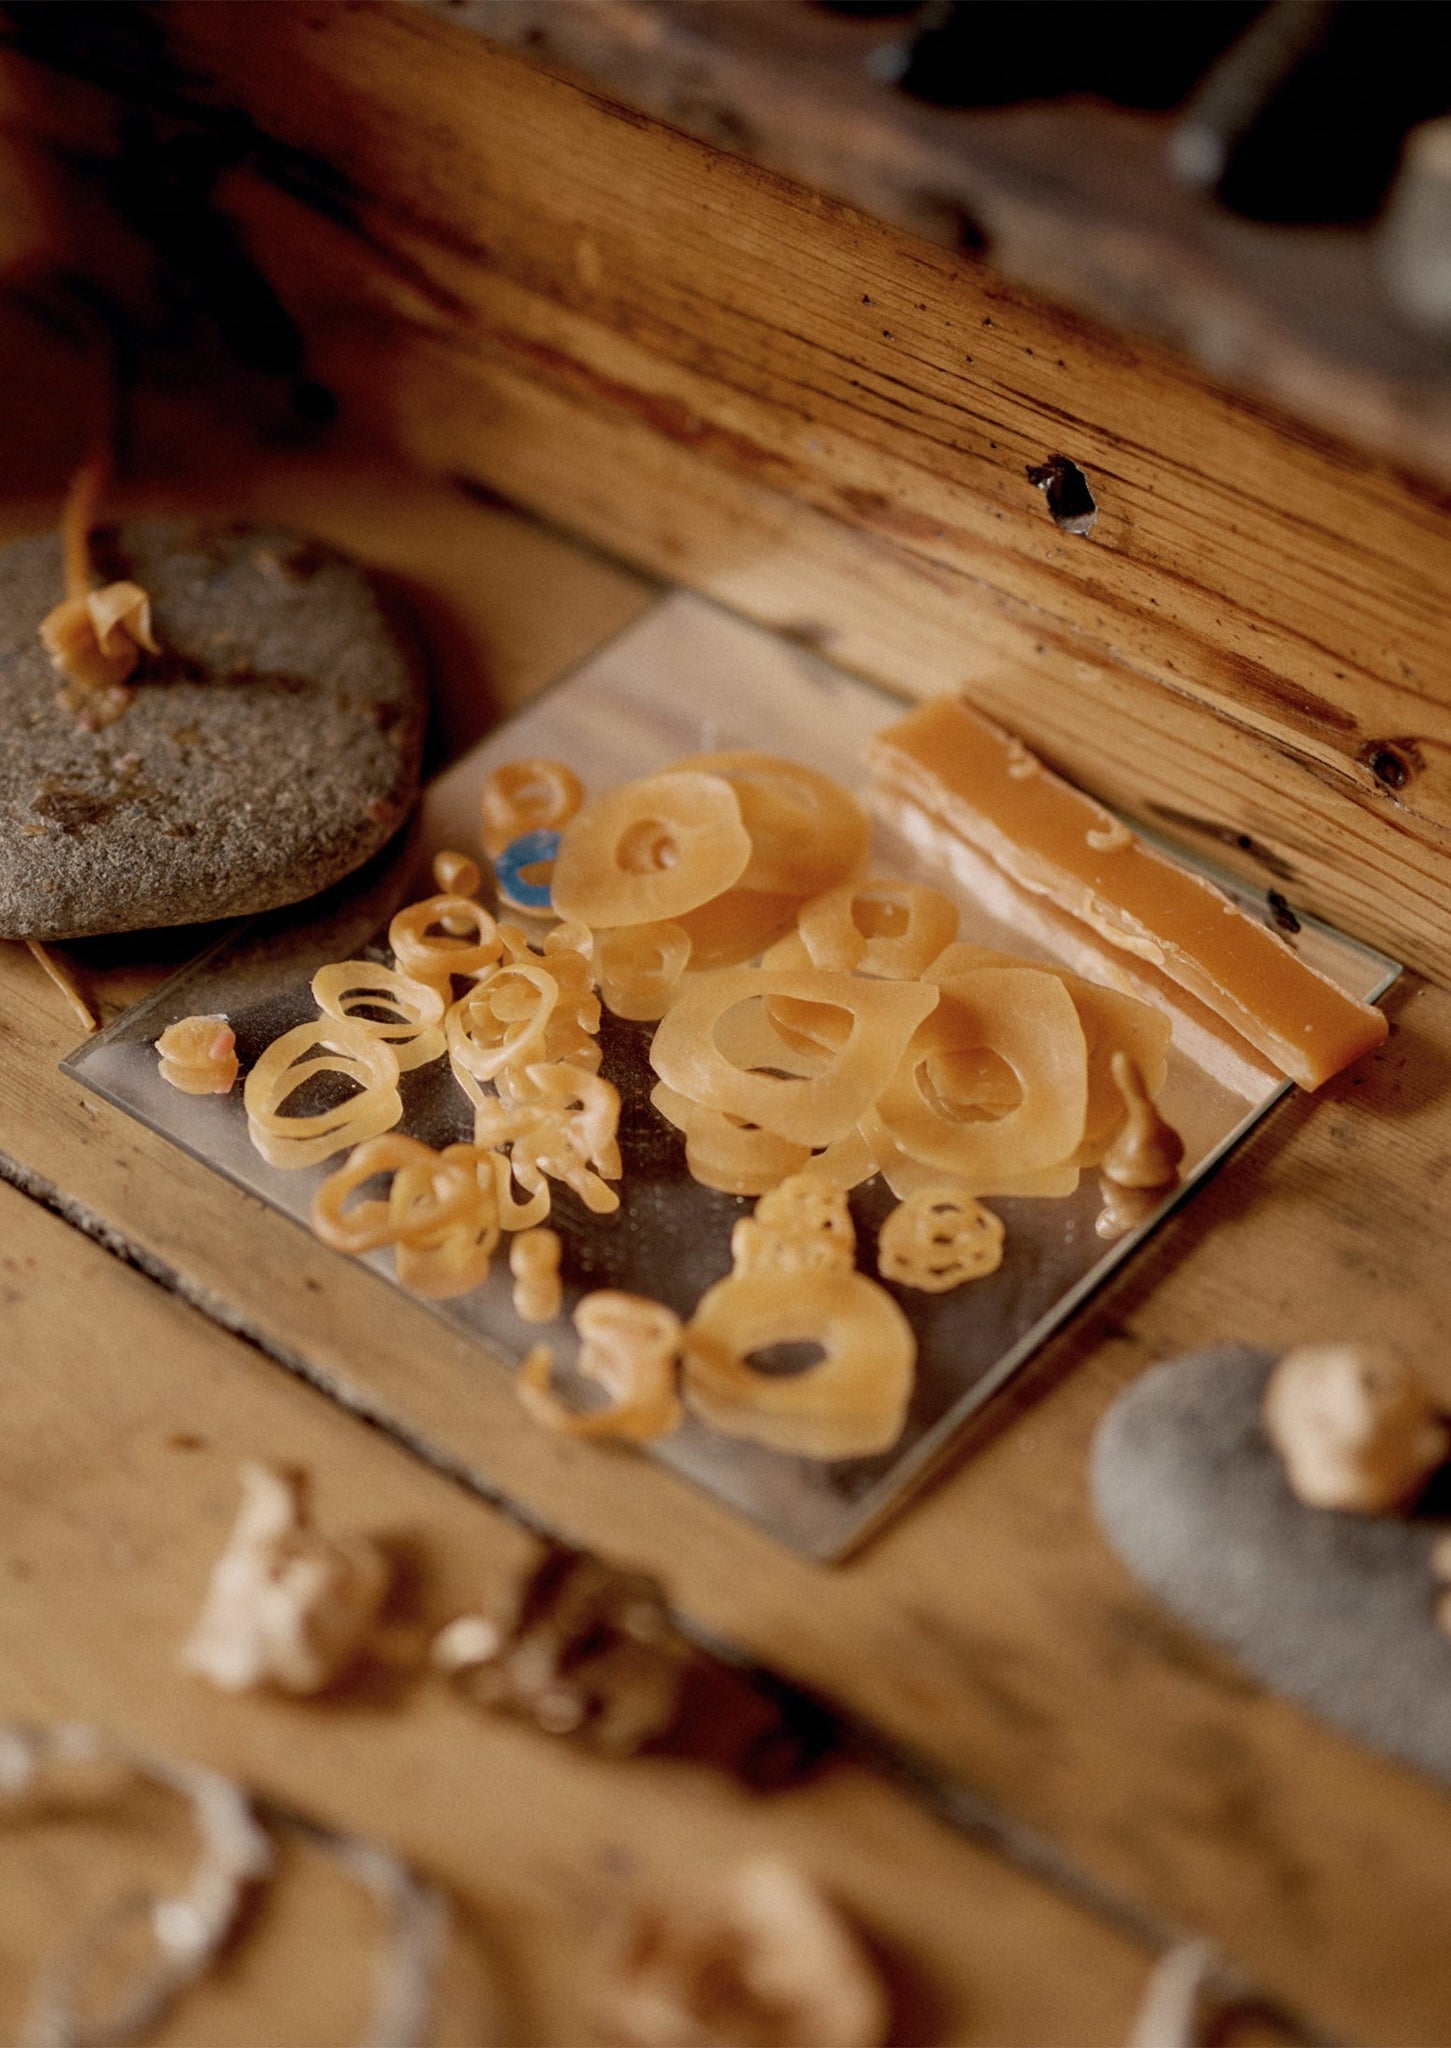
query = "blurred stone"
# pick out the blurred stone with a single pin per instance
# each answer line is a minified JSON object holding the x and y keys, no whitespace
{"x":1337,"y":1610}
{"x":267,"y":751}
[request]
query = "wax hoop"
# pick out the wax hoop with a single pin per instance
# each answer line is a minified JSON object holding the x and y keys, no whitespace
{"x":191,"y":1928}
{"x":324,"y":1046}
{"x":348,"y":987}
{"x":187,"y":1928}
{"x":443,"y":936}
{"x":807,"y":833}
{"x":882,"y":927}
{"x":512,"y":867}
{"x":651,"y":850}
{"x":850,"y":1403}
{"x":527,"y":796}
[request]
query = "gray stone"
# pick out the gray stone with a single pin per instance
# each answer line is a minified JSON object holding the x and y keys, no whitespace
{"x":1335,"y":1609}
{"x":268,"y":751}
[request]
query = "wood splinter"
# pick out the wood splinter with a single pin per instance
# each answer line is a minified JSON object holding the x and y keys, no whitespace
{"x":60,"y":974}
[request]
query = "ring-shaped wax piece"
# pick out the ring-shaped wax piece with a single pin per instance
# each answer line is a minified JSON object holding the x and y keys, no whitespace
{"x":324,"y":1046}
{"x":850,"y":1404}
{"x":1026,"y":1019}
{"x":735,"y":927}
{"x":1112,"y":1022}
{"x":342,"y":989}
{"x":649,"y":851}
{"x":722,"y":1152}
{"x":628,"y":1345}
{"x":810,"y":1110}
{"x":939,"y":1238}
{"x":807,"y":833}
{"x":530,"y":850}
{"x":531,"y":795}
{"x":639,"y":966}
{"x":370,"y":1224}
{"x":502,"y":1020}
{"x":431,"y":942}
{"x":906,"y":1176}
{"x":887,"y":928}
{"x":440,"y":1259}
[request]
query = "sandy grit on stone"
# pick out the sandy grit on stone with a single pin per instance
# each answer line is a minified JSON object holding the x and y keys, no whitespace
{"x":1335,"y":1609}
{"x":269,"y":750}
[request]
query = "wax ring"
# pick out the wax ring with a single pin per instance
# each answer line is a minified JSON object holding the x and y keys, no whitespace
{"x":809,"y":1110}
{"x":527,"y":796}
{"x":325,"y":1046}
{"x":649,"y":851}
{"x":883,"y":927}
{"x":994,"y":1085}
{"x":529,"y":850}
{"x":852,"y":1402}
{"x":348,"y":987}
{"x":430,"y":939}
{"x":807,"y":833}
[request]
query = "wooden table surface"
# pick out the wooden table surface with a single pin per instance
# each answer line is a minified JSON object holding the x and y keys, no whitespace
{"x":1052,"y":1779}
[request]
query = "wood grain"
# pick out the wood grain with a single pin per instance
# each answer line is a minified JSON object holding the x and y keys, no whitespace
{"x":751,"y":388}
{"x":1071,"y":197}
{"x":125,"y":1415}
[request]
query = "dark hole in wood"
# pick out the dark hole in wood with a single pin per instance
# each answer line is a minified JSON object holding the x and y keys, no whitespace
{"x":1070,"y":501}
{"x":1393,"y":764}
{"x":1285,"y":918}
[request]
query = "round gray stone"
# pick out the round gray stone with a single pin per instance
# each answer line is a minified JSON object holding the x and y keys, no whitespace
{"x":1335,"y":1609}
{"x":269,"y":749}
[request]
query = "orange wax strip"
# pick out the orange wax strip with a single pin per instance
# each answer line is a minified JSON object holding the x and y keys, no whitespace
{"x":986,"y":788}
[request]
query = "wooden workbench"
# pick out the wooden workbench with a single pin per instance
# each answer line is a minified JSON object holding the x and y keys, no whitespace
{"x":1046,"y":1779}
{"x":1064,"y":1777}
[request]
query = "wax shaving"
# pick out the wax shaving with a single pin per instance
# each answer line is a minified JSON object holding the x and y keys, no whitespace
{"x":286,"y":1606}
{"x":760,"y":1960}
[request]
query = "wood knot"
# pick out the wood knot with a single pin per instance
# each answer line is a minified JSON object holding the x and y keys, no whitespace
{"x":1393,"y":763}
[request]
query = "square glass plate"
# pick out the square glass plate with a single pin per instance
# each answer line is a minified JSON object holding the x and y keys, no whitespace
{"x":687,"y":678}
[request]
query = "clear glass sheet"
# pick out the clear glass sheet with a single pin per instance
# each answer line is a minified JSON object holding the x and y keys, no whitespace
{"x":686,"y":678}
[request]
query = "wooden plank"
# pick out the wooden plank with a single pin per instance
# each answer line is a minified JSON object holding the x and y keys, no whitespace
{"x":759,"y":391}
{"x":1070,"y":197}
{"x":125,"y":1415}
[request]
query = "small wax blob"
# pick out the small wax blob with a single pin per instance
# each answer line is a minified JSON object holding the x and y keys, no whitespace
{"x":199,"y":1055}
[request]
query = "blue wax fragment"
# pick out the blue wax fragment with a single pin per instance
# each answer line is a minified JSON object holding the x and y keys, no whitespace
{"x":525,"y":852}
